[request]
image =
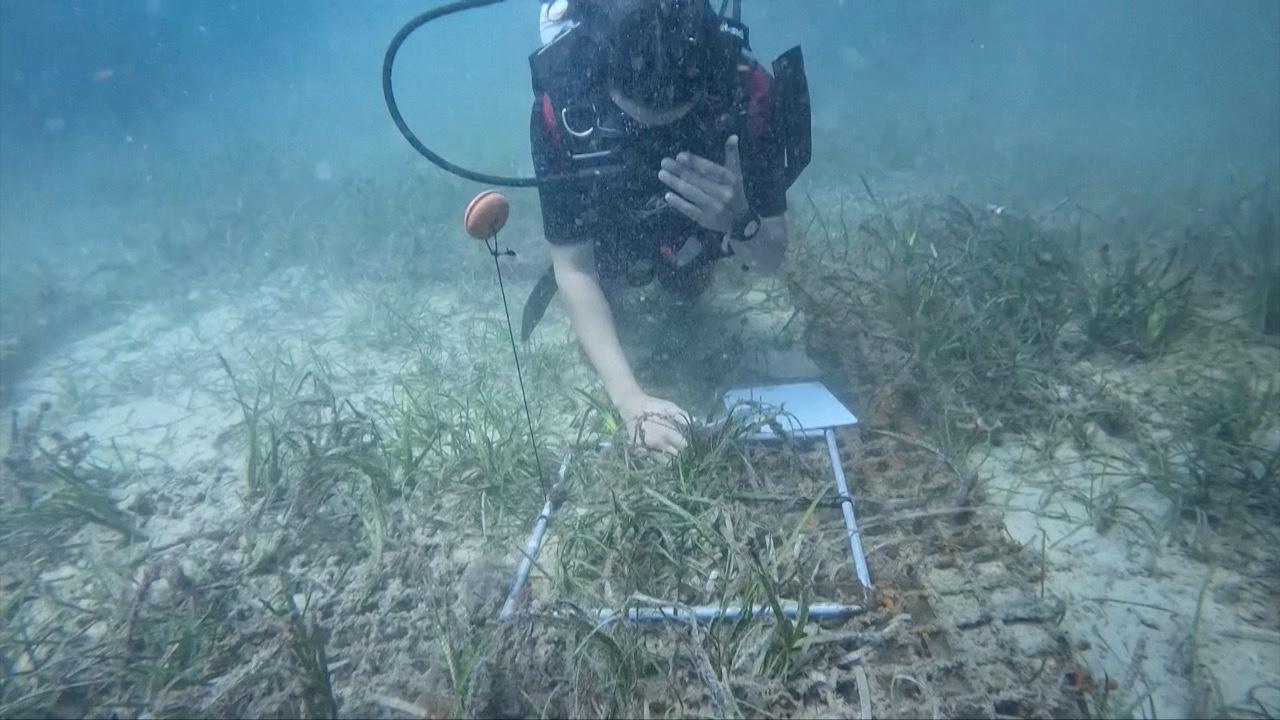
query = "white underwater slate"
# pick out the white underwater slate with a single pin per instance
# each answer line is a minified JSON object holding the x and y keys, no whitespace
{"x":804,"y":407}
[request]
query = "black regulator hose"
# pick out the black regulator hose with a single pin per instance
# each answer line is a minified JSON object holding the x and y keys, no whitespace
{"x":388,"y":61}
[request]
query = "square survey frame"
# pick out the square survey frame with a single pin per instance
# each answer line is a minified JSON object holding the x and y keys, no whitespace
{"x":805,"y":410}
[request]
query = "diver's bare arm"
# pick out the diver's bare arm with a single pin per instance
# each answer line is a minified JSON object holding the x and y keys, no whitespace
{"x":592,"y":319}
{"x":768,"y":248}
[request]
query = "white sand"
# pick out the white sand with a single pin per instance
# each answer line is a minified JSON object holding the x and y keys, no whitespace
{"x":1133,"y":591}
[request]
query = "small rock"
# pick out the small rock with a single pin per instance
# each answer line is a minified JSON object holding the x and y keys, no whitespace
{"x":1013,"y":708}
{"x":994,"y":568}
{"x":1030,"y":640}
{"x":945,"y":581}
{"x":971,"y":620}
{"x":185,"y":574}
{"x":138,"y":504}
{"x":159,"y":592}
{"x":1003,"y":596}
{"x":970,"y":709}
{"x":991,"y":574}
{"x":1033,"y":610}
{"x":481,"y":590}
{"x":967,"y":613}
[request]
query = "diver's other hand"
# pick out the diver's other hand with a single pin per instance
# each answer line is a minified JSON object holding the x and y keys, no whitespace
{"x":709,"y":194}
{"x":655,"y":423}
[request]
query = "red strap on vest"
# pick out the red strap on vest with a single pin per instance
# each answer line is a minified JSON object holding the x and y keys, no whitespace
{"x":550,"y":122}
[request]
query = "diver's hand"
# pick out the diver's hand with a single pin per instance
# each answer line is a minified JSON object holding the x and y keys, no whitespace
{"x":709,"y":194}
{"x":655,"y":423}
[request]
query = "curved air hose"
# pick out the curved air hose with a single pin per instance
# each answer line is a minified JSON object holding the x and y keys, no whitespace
{"x":388,"y":94}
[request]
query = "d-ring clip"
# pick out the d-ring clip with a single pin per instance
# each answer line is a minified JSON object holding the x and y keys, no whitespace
{"x":564,"y":120}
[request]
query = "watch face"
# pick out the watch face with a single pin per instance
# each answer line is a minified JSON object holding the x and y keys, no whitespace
{"x":751,"y":228}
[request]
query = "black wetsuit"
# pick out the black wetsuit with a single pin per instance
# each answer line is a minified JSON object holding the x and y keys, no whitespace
{"x":636,"y":235}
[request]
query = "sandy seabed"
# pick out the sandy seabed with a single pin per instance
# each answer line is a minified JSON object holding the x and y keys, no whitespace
{"x":1036,"y":594}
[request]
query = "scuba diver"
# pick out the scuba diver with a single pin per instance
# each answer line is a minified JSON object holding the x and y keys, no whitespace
{"x":660,"y":146}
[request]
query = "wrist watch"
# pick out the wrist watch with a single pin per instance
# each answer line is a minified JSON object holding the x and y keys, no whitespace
{"x":746,"y":228}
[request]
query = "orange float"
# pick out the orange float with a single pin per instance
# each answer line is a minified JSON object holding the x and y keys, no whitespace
{"x":486,"y":214}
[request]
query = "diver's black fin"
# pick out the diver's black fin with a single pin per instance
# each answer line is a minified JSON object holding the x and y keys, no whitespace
{"x":536,"y":306}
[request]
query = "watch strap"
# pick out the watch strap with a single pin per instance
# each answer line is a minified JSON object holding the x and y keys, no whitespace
{"x":746,"y":228}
